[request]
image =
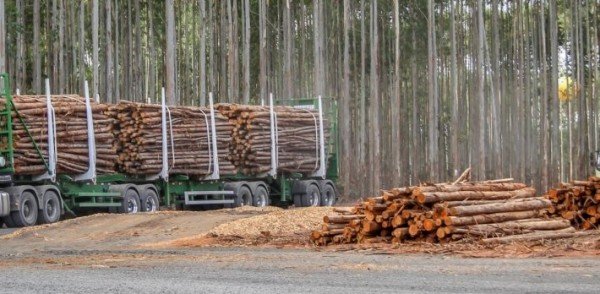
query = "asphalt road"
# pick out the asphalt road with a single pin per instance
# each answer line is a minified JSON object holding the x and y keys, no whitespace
{"x":252,"y":270}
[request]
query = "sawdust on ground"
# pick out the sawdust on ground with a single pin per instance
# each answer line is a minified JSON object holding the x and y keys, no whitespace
{"x":288,"y":228}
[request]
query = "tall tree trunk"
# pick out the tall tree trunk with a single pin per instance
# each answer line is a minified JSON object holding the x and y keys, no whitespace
{"x":117,"y":47}
{"x":232,"y":50}
{"x":319,"y":76}
{"x":396,"y":118}
{"x":61,"y":45}
{"x":55,"y":46}
{"x":82,"y":77}
{"x":288,"y":41}
{"x":152,"y":64}
{"x":433,"y":120}
{"x":480,"y":166}
{"x":555,"y":148}
{"x":129,"y":89}
{"x":262,"y":26}
{"x":247,"y":36}
{"x":345,"y":104}
{"x":496,"y":125}
{"x":415,"y":151}
{"x":545,"y":118}
{"x":20,"y":70}
{"x":362,"y":146}
{"x":94,"y":48}
{"x":203,"y":26}
{"x":74,"y":66}
{"x":139,"y":61}
{"x":454,"y":93}
{"x":374,"y":103}
{"x":109,"y":51}
{"x":170,"y":53}
{"x":37,"y":65}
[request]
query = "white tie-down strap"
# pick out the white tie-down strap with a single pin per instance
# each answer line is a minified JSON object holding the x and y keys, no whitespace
{"x":214,"y":151}
{"x":90,"y":174}
{"x":274,"y":136}
{"x":208,"y":139}
{"x":321,"y":172}
{"x":164,"y":172}
{"x":170,"y":121}
{"x":50,"y":174}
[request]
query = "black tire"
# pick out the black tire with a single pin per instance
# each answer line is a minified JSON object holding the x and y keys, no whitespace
{"x":243,"y":197}
{"x":28,"y":211}
{"x":260,"y":197}
{"x":50,"y":208}
{"x":131,"y":202}
{"x":298,"y":200}
{"x":312,"y":196}
{"x":149,"y":201}
{"x":328,"y":195}
{"x":9,"y":222}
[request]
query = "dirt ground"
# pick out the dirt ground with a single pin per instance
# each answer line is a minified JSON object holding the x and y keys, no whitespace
{"x":148,"y":238}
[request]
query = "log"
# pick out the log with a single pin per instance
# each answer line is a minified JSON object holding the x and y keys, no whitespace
{"x":491,"y":218}
{"x":535,"y":236}
{"x":432,"y":197}
{"x":529,"y":224}
{"x":500,"y":207}
{"x":341,"y":219}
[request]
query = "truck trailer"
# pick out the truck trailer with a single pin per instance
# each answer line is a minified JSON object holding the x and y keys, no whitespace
{"x":27,"y":200}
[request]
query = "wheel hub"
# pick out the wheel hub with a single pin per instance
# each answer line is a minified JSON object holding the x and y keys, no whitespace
{"x":131,"y":206}
{"x":150,"y":205}
{"x":50,"y":208}
{"x":314,"y":197}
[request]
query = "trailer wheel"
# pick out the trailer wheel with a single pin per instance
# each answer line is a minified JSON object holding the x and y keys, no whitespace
{"x":328,"y":195}
{"x":131,"y":202}
{"x":50,"y":208}
{"x":149,"y":201}
{"x":312,"y":197}
{"x":261,"y":197}
{"x":243,"y":197}
{"x":28,"y":211}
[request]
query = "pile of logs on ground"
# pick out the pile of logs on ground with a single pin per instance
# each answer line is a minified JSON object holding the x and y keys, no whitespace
{"x":139,"y":140}
{"x":71,"y":133}
{"x":498,"y":211}
{"x":297,"y":138}
{"x":578,"y":202}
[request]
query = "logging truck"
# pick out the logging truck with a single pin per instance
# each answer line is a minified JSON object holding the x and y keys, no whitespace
{"x":26,"y":200}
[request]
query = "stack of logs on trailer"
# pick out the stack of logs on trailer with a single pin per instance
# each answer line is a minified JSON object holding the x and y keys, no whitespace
{"x":494,"y":211}
{"x":139,"y":140}
{"x":71,"y":135}
{"x":129,"y":138}
{"x":578,"y":202}
{"x":297,"y":138}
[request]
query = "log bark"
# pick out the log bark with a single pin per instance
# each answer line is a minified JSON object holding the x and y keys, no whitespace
{"x":500,"y":207}
{"x":535,"y":236}
{"x":491,"y":218}
{"x":432,"y":197}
